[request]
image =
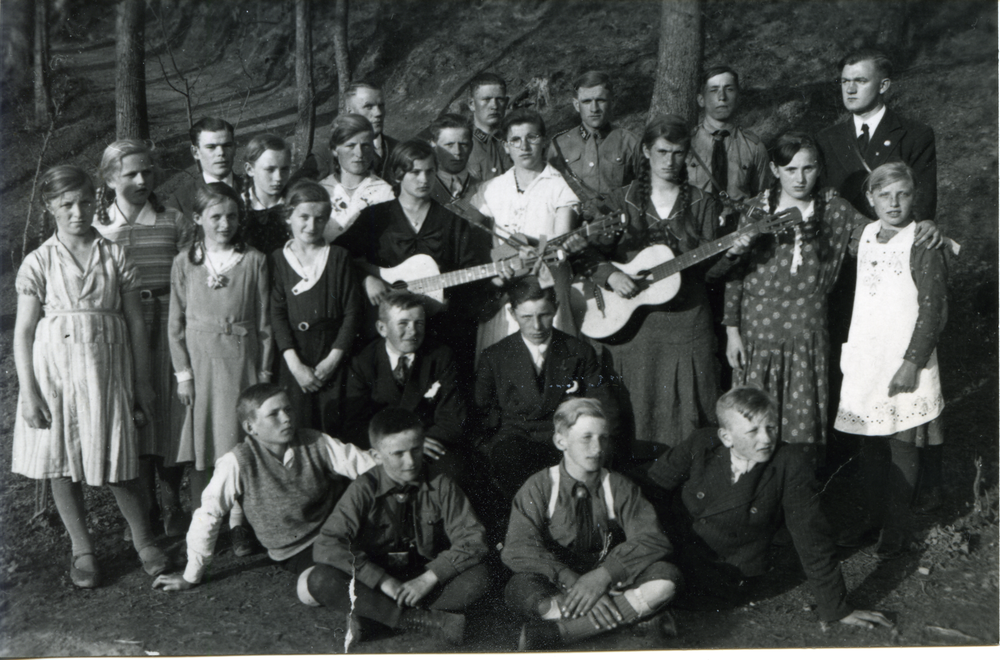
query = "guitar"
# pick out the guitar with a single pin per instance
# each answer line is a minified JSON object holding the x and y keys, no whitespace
{"x":420,"y":273}
{"x":657,"y":273}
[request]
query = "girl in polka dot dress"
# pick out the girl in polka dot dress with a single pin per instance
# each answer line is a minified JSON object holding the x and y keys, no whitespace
{"x":892,"y":390}
{"x":775,"y":307}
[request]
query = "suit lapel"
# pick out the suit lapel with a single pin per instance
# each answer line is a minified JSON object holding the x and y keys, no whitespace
{"x":886,"y":139}
{"x":384,"y":380}
{"x":747,"y":489}
{"x":414,"y":388}
{"x":523,"y":370}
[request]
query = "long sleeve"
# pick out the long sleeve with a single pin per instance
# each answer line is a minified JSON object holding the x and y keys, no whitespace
{"x":176,"y":316}
{"x":217,"y":500}
{"x":352,"y":305}
{"x":346,"y":459}
{"x":280,"y":324}
{"x":645,"y":542}
{"x":525,"y":550}
{"x":449,"y":409}
{"x":930,"y":274}
{"x":264,"y":333}
{"x":465,"y":533}
{"x":487,"y":409}
{"x":337,"y":544}
{"x":671,"y":470}
{"x":813,"y":540}
{"x":922,"y":158}
{"x":357,"y":402}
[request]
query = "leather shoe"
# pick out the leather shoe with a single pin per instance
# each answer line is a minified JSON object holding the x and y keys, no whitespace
{"x":83,"y":577}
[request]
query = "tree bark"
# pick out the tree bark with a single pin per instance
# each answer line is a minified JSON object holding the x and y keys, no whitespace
{"x":43,"y":96}
{"x":679,"y":61}
{"x":340,"y":47}
{"x":305,"y":126}
{"x":131,"y":118}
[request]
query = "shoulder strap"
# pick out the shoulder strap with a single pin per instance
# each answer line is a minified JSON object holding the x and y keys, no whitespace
{"x":609,"y":500}
{"x":554,"y":475}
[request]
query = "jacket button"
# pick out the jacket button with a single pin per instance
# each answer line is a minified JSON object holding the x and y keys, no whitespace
{"x":753,"y":509}
{"x":700,"y":496}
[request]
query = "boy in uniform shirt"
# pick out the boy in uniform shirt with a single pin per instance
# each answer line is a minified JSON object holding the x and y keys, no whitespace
{"x":401,"y":541}
{"x":488,"y":103}
{"x":287,"y":480}
{"x":600,"y":154}
{"x":586,"y":548}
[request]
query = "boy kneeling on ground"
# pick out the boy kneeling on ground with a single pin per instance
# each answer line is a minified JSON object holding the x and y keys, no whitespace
{"x":586,"y":548}
{"x":409,"y":539}
{"x":287,"y":480}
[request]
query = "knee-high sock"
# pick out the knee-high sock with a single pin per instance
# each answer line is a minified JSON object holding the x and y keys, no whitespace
{"x":648,"y":596}
{"x":132,"y":502}
{"x":68,"y":497}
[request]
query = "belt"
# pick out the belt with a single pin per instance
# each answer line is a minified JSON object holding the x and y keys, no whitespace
{"x":152,"y":294}
{"x":66,"y":312}
{"x":318,"y":324}
{"x":239,"y":328}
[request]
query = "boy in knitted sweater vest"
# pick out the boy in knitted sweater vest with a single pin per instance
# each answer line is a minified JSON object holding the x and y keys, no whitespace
{"x":287,"y":480}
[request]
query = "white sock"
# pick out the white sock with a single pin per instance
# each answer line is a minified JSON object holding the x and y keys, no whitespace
{"x":553,"y":613}
{"x":649,"y":596}
{"x":302,"y":589}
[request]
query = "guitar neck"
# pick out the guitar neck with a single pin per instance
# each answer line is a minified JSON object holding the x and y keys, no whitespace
{"x":454,"y":278}
{"x":697,"y":255}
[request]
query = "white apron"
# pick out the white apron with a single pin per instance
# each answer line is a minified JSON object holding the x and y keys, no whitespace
{"x":885,"y":314}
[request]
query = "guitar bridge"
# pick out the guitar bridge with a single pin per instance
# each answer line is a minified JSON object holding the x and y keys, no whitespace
{"x":599,"y":298}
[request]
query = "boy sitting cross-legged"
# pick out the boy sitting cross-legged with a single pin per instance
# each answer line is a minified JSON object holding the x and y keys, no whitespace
{"x":401,"y":541}
{"x":586,"y":548}
{"x":287,"y":480}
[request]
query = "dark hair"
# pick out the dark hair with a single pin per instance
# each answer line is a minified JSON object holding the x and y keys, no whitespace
{"x":209,"y":125}
{"x":111,"y":166}
{"x":522,"y":116}
{"x":306,"y":191}
{"x":675,"y":130}
{"x":485,"y":80}
{"x":356,"y":86}
{"x":403,"y":157}
{"x":717,"y":70}
{"x":448,"y":120}
{"x":262,"y":143}
{"x":57,"y":181}
{"x":253,"y":398}
{"x":781,"y":154}
{"x":881,"y":61}
{"x":526,"y":289}
{"x":747,"y":400}
{"x":205,"y":196}
{"x":390,"y":421}
{"x":593,"y":79}
{"x":399,"y":299}
{"x":343,"y":128}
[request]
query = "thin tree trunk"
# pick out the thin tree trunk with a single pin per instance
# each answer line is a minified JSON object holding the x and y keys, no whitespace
{"x":679,"y":61}
{"x":43,"y":97}
{"x":131,"y":119}
{"x":305,"y":126}
{"x":340,"y":47}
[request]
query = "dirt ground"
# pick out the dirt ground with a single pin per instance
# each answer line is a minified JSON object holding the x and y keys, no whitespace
{"x":238,"y":56}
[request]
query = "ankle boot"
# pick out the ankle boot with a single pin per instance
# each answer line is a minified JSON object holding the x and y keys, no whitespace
{"x":449,"y":626}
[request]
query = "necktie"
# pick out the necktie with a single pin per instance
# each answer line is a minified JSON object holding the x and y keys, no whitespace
{"x":402,"y":371}
{"x":720,"y":163}
{"x":863,"y":139}
{"x":584,"y":519}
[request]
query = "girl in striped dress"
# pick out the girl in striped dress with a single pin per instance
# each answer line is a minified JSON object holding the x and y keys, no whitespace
{"x":130,"y":215}
{"x":78,"y":314}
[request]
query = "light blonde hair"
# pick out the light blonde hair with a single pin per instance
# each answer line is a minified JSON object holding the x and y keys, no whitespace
{"x":572,"y":409}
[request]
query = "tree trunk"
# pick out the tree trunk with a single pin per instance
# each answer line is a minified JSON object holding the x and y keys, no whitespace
{"x":43,"y":97}
{"x":340,"y":48}
{"x":305,"y":126}
{"x":679,"y":62}
{"x":131,"y":120}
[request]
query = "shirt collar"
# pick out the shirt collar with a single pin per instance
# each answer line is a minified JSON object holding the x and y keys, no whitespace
{"x":447,"y":178}
{"x":570,"y":481}
{"x":394,"y":355}
{"x":601,"y":132}
{"x":146,"y":217}
{"x":537,"y":350}
{"x":386,"y":485}
{"x":483,"y":136}
{"x":229,"y":180}
{"x":740,"y":466}
{"x":872,"y":122}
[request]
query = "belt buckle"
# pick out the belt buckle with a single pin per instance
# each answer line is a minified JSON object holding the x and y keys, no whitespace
{"x":303,"y":327}
{"x":145,"y":294}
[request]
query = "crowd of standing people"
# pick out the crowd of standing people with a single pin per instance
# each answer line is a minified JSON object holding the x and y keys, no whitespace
{"x":383,"y":364}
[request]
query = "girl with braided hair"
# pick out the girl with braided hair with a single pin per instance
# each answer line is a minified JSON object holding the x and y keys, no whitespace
{"x":775,"y":308}
{"x":664,"y":358}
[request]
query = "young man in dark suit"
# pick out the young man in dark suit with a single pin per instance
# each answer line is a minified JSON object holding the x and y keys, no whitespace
{"x":213,"y":146}
{"x":728,"y":491}
{"x":401,"y":370}
{"x":522,"y":379}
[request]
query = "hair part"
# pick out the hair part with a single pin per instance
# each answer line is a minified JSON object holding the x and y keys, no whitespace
{"x":209,"y":125}
{"x":883,"y":65}
{"x":486,"y":80}
{"x":253,"y":397}
{"x":749,"y":401}
{"x":590,"y":79}
{"x":572,"y":409}
{"x":342,"y":129}
{"x":402,"y":300}
{"x":449,"y":120}
{"x":403,"y":158}
{"x":206,"y":196}
{"x":62,"y":179}
{"x":390,"y":421}
{"x":264,"y":143}
{"x":888,"y":173}
{"x":306,"y":191}
{"x":528,"y":288}
{"x":522,"y":116}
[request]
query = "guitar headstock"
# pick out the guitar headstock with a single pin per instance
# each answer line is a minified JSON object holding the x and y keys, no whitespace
{"x":779,"y":222}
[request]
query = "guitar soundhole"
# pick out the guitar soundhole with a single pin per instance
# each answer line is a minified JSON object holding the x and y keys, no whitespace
{"x":398,"y":284}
